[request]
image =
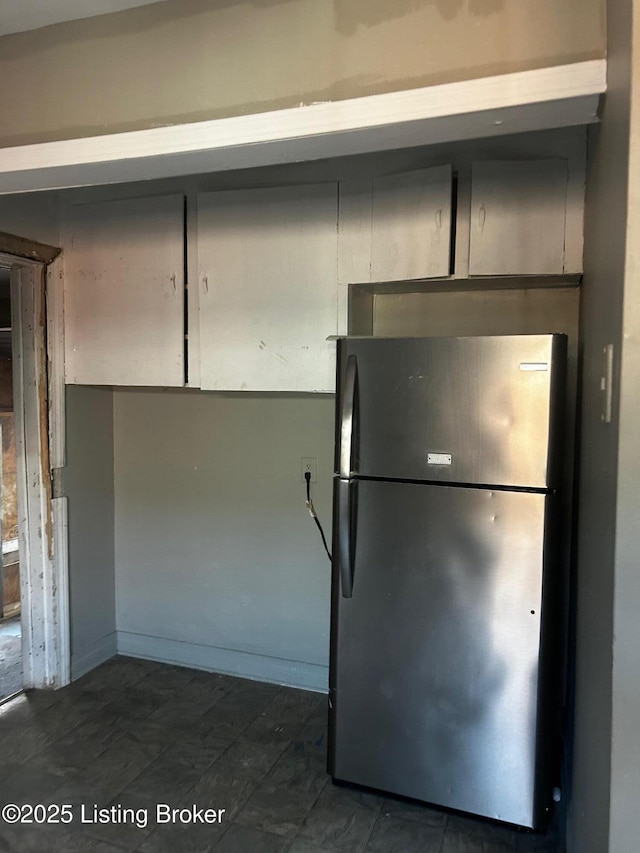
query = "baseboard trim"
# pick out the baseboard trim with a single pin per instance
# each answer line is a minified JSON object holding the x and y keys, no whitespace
{"x":289,"y":673}
{"x":99,"y":652}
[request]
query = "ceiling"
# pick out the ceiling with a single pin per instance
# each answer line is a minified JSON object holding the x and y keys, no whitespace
{"x":16,"y":16}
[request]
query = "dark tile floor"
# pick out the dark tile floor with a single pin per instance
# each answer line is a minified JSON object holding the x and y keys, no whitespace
{"x":133,"y":734}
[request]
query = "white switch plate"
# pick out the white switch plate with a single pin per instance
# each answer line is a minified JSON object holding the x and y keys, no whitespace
{"x":606,"y":383}
{"x":309,"y":463}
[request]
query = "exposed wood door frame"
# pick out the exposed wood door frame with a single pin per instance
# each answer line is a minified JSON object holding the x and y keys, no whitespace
{"x":39,"y":423}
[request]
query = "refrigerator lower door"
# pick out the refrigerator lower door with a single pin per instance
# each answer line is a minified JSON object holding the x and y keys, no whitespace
{"x":434,"y":678}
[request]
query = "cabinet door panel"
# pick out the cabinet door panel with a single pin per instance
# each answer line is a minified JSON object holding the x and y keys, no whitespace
{"x":518,"y":212}
{"x":411,"y":225}
{"x":267,"y":263}
{"x":124,"y":293}
{"x":354,"y":233}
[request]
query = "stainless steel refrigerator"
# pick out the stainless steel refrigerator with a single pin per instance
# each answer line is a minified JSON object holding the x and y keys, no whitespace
{"x":445,"y":620}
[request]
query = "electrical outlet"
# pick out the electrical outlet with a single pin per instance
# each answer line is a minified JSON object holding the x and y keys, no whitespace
{"x":310,"y":464}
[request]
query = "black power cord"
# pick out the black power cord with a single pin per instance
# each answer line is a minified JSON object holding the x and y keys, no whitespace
{"x":313,"y":513}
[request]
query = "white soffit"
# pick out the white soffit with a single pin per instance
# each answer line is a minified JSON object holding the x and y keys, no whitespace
{"x":17,"y":16}
{"x":560,"y":96}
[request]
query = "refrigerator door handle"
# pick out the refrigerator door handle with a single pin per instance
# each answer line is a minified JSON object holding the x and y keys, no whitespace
{"x":344,"y":536}
{"x":347,"y":413}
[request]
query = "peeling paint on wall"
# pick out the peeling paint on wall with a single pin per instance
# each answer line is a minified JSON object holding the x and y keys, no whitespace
{"x":234,"y":58}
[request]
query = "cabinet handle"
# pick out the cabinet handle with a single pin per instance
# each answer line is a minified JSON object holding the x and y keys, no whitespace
{"x":173,"y":281}
{"x":205,"y":284}
{"x":482,"y":216}
{"x":439,"y":219}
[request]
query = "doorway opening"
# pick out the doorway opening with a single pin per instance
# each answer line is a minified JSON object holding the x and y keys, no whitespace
{"x":35,"y":648}
{"x":11,"y":678}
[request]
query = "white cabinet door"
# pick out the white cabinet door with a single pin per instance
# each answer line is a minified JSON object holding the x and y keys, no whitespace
{"x":355,"y":201}
{"x":411,"y":225}
{"x":267,"y":262}
{"x":396,"y":227}
{"x":518,"y":214}
{"x":124,"y":292}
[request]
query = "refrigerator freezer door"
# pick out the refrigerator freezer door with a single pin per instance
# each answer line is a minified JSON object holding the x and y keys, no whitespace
{"x":435,"y":657}
{"x":481,"y":410}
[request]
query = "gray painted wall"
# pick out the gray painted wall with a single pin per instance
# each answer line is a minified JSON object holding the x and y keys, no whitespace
{"x":603,"y":294}
{"x":624,"y":828}
{"x":33,"y":216}
{"x":218,"y":564}
{"x":89,"y":485}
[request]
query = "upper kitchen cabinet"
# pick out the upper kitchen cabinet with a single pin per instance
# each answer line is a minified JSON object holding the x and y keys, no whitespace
{"x":267,"y":270}
{"x":124,"y":292}
{"x":396,"y":227}
{"x":518,"y":218}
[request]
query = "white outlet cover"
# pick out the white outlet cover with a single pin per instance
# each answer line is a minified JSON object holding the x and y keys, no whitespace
{"x":309,"y":463}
